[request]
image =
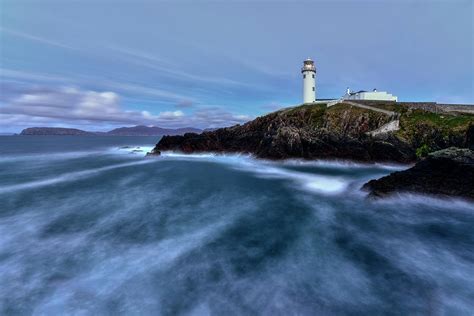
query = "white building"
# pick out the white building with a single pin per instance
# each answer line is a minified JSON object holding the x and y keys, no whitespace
{"x":309,"y":81}
{"x":369,"y":95}
{"x":309,"y":89}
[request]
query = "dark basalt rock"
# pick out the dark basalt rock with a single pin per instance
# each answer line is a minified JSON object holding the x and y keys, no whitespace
{"x":448,"y":172}
{"x":339,"y":132}
{"x":305,"y":132}
{"x":154,"y":152}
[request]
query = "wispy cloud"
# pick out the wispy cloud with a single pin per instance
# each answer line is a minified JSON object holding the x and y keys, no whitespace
{"x":145,"y":90}
{"x":171,"y":69}
{"x":185,"y":104}
{"x":35,"y":38}
{"x":24,"y":75}
{"x":125,"y":87}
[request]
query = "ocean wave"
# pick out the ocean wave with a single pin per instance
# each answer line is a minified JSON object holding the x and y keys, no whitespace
{"x":71,"y":176}
{"x":344,"y":164}
{"x":270,"y":169}
{"x":139,"y":151}
{"x":47,"y":157}
{"x":336,"y":163}
{"x":168,"y":241}
{"x":309,"y":182}
{"x":111,"y":273}
{"x":136,"y":150}
{"x":443,"y":203}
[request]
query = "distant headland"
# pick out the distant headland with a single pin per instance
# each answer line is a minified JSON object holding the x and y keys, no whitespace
{"x":139,"y":130}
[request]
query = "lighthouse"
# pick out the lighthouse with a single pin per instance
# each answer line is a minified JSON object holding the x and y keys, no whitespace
{"x":309,"y":81}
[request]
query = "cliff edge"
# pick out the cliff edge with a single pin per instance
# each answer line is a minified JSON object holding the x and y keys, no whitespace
{"x":342,"y":131}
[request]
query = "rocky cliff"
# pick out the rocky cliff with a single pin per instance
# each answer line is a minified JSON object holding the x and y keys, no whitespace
{"x":339,"y":132}
{"x":448,"y":172}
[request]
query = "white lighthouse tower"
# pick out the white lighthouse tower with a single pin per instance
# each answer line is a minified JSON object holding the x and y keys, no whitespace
{"x":309,"y":81}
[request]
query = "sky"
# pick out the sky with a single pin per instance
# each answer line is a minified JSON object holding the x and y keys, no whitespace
{"x":100,"y":64}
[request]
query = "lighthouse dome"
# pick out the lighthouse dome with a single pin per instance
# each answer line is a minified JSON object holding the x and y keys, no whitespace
{"x":308,"y":65}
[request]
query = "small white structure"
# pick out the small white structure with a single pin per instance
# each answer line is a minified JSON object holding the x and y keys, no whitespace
{"x":309,"y":81}
{"x":369,"y":95}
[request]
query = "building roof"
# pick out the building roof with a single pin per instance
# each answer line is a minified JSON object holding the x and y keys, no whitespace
{"x":360,"y":91}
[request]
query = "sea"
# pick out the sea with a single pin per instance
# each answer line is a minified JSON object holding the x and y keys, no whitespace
{"x":91,"y":226}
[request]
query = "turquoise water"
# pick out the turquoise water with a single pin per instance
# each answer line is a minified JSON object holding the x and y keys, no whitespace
{"x":90,"y":227}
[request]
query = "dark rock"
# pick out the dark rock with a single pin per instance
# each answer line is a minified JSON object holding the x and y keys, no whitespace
{"x":448,"y":172}
{"x":339,"y":132}
{"x":470,"y":137}
{"x":304,"y":132}
{"x":154,"y":152}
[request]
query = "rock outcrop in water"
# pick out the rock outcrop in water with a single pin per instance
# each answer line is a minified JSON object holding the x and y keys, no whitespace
{"x":445,"y":172}
{"x":339,"y":132}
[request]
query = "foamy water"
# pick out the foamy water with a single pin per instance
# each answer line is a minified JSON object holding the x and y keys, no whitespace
{"x":98,"y":228}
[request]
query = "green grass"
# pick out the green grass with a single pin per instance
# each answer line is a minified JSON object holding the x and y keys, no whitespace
{"x":423,"y":151}
{"x":305,"y":107}
{"x":312,"y":114}
{"x":444,"y":120}
{"x":341,"y":107}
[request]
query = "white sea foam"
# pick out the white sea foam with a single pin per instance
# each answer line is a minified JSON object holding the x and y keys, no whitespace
{"x":71,"y":176}
{"x":146,"y":247}
{"x":191,"y":156}
{"x":296,"y":162}
{"x":139,"y":151}
{"x":443,"y":203}
{"x":310,"y":182}
{"x":47,"y":157}
{"x":136,"y":150}
{"x":112,"y":272}
{"x":271,"y":169}
{"x":344,"y":164}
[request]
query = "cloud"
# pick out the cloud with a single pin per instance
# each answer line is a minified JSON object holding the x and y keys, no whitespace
{"x":34,"y":38}
{"x":22,"y":75}
{"x":15,"y":75}
{"x":72,"y":106}
{"x":216,"y":116}
{"x":184,"y":104}
{"x":144,"y":90}
{"x":71,"y":103}
{"x":169,"y":69}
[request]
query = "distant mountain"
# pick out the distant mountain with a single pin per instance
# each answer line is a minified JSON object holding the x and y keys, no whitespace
{"x":139,"y":130}
{"x":54,"y":131}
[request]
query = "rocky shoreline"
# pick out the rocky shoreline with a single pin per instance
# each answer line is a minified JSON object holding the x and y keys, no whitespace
{"x":448,"y":172}
{"x":346,"y":132}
